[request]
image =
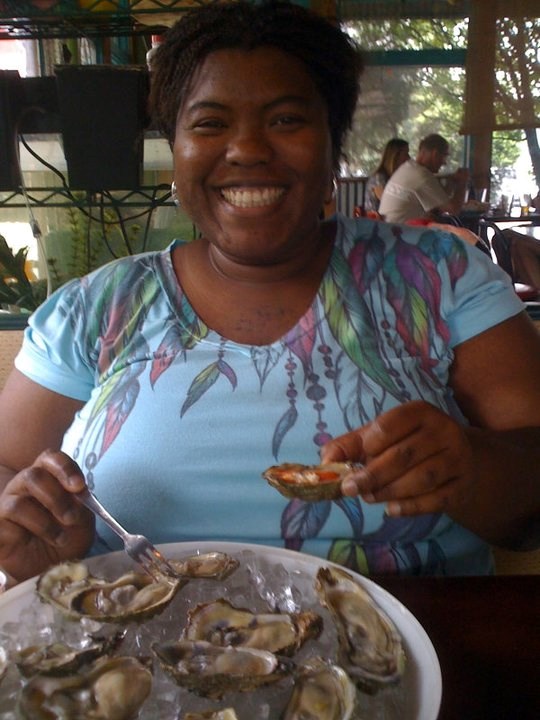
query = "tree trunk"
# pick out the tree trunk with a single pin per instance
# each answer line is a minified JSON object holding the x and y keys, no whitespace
{"x":534,"y":151}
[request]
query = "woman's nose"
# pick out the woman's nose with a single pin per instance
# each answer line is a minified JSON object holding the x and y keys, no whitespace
{"x":248,"y":146}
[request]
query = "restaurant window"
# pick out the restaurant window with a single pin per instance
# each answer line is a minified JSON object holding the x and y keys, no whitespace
{"x":19,"y":55}
{"x":413,"y":85}
{"x":408,"y":102}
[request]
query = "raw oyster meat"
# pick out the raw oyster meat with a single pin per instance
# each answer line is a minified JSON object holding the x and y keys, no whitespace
{"x":370,"y":647}
{"x":60,"y":659}
{"x":309,"y":482}
{"x":216,"y":565}
{"x":221,"y":623}
{"x":134,"y":596}
{"x":322,"y":691}
{"x":212,"y":671}
{"x":112,"y":689}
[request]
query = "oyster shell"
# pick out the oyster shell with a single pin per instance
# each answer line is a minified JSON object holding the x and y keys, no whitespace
{"x":222,"y":624}
{"x":4,"y":662}
{"x":308,"y":482}
{"x":323,"y":691}
{"x":112,"y":689}
{"x":370,"y":647}
{"x":134,"y":596}
{"x":212,"y":671}
{"x":61,"y":659}
{"x":225,"y":714}
{"x":216,"y":565}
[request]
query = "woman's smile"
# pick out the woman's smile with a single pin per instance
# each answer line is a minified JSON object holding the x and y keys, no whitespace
{"x":248,"y":197}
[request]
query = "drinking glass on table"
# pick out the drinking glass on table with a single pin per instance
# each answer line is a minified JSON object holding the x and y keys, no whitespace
{"x":525,"y":203}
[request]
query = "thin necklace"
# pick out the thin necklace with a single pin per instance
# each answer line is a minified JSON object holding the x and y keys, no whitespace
{"x":295,"y":271}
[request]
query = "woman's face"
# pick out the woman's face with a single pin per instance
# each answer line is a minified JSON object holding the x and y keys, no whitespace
{"x":402,"y":156}
{"x":253,"y":154}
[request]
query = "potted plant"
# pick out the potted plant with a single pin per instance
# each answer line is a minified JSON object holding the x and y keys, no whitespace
{"x":18,"y":293}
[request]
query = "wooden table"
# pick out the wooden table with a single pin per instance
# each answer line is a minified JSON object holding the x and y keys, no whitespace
{"x":532,"y":218}
{"x":532,"y":231}
{"x":486,"y":632}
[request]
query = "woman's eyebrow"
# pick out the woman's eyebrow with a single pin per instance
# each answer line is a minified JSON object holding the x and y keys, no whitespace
{"x":205,"y":105}
{"x":295,"y":99}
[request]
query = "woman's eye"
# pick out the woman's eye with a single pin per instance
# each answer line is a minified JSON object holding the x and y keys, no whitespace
{"x":209,"y":124}
{"x":289,"y":120}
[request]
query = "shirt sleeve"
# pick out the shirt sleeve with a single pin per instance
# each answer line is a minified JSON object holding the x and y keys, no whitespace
{"x":431,"y":194}
{"x":54,"y":353}
{"x":482,"y":297}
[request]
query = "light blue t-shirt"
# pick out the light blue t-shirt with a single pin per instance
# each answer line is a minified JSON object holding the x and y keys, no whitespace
{"x":179,"y":423}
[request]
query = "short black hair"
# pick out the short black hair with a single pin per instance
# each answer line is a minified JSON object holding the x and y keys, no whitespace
{"x":330,"y":56}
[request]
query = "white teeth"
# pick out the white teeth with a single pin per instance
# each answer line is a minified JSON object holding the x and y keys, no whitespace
{"x":254,"y":197}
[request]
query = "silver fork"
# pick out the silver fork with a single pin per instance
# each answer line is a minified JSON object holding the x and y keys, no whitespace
{"x":138,"y":547}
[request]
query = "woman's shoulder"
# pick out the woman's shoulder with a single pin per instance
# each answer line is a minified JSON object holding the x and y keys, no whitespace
{"x":378,"y":178}
{"x":138,"y":263}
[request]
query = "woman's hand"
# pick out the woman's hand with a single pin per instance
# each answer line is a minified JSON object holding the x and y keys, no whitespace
{"x":41,"y":522}
{"x":416,"y":459}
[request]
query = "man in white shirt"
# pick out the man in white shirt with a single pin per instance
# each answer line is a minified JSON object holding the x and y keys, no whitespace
{"x":414,"y":191}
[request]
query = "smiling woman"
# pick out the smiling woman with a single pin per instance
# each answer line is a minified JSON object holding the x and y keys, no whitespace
{"x":169,"y":381}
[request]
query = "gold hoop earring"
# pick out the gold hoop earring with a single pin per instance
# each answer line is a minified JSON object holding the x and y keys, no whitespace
{"x":333,"y":192}
{"x":174,"y":195}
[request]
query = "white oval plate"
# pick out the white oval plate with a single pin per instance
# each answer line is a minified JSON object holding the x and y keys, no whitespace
{"x":422,"y":662}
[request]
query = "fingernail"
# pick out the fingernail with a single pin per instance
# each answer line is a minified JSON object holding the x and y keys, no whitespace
{"x":349,"y":488}
{"x":74,"y":481}
{"x":368,"y":497}
{"x":61,"y":539}
{"x":71,"y":517}
{"x":393,"y":509}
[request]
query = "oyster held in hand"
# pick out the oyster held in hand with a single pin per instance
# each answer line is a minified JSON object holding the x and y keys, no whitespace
{"x":222,"y":624}
{"x":309,"y":482}
{"x":370,"y":647}
{"x":212,"y":671}
{"x":134,"y":596}
{"x":112,"y":689}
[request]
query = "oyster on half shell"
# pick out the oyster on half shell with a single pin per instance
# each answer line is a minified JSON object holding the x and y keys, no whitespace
{"x":309,"y":482}
{"x":217,"y":565}
{"x":212,"y":671}
{"x":4,"y":662}
{"x":61,"y":659}
{"x":323,"y":691}
{"x":370,"y":647}
{"x":134,"y":596}
{"x":111,"y":689}
{"x":222,"y":624}
{"x":225,"y":714}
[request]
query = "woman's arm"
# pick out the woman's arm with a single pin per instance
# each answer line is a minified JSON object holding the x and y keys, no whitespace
{"x":487,"y":476}
{"x":40,"y":521}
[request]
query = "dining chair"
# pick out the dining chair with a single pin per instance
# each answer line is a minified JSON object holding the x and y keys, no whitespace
{"x":10,"y":342}
{"x":501,"y":247}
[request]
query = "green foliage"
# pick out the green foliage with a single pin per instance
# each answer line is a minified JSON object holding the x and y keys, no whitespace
{"x":86,"y":244}
{"x":15,"y":288}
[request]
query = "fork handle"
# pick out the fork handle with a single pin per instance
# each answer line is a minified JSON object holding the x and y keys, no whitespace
{"x":89,"y":500}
